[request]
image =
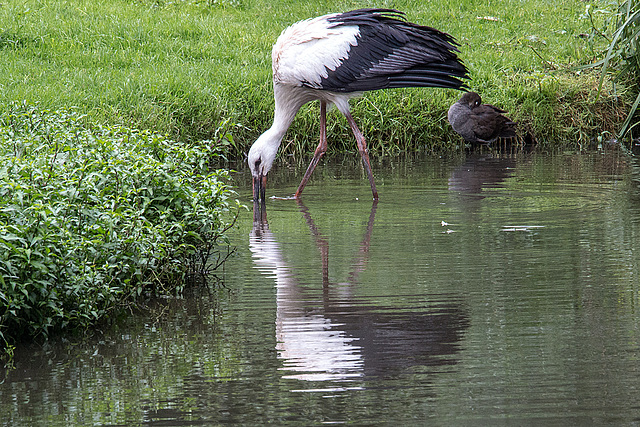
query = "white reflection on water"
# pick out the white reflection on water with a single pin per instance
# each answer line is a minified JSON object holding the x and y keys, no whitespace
{"x":330,"y":334}
{"x":311,"y":345}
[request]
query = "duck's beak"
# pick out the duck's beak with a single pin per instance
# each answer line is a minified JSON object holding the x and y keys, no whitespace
{"x":259,"y":187}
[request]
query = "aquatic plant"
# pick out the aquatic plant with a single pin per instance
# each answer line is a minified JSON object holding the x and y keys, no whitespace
{"x":92,"y":217}
{"x":623,"y":53}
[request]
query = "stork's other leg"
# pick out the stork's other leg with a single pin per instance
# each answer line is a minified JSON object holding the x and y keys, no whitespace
{"x":320,"y":150}
{"x":364,"y":152}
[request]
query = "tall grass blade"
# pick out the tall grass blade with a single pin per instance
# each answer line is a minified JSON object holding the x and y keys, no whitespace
{"x":610,"y":54}
{"x":626,"y":124}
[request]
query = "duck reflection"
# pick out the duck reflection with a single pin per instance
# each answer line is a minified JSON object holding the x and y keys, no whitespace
{"x":332,"y":334}
{"x":468,"y":183}
{"x":480,"y":171}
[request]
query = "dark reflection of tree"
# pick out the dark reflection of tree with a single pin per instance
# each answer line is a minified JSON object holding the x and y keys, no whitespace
{"x":345,"y":336}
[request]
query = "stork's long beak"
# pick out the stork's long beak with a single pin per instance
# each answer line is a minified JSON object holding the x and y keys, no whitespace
{"x":259,"y":187}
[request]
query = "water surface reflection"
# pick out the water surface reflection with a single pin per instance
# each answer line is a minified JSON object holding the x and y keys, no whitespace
{"x":379,"y":313}
{"x":331,"y":333}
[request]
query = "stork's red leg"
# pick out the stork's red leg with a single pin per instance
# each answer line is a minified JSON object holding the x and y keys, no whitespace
{"x":364,"y":152}
{"x":320,"y":150}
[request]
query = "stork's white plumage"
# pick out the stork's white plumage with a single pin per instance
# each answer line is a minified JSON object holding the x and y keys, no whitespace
{"x":335,"y":57}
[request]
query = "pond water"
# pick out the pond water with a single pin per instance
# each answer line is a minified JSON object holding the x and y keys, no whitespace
{"x":482,"y":289}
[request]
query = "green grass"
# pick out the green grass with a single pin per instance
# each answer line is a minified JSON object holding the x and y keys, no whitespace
{"x":181,"y":67}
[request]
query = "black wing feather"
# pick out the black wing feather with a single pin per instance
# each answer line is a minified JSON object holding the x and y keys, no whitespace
{"x":394,"y":53}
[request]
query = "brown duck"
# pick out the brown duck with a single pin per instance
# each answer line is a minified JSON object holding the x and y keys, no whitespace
{"x":478,"y":122}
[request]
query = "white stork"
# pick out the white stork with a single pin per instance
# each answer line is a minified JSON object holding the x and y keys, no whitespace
{"x":335,"y":57}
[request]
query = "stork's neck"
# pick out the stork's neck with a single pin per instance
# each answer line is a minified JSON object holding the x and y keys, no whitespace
{"x":288,"y":100}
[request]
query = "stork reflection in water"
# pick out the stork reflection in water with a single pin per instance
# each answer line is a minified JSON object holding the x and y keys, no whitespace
{"x":331,"y":333}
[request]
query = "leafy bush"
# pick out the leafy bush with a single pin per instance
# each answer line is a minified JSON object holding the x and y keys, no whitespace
{"x":91,"y":217}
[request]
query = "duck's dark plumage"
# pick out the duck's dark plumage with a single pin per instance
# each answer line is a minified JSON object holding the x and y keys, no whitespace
{"x":478,"y":122}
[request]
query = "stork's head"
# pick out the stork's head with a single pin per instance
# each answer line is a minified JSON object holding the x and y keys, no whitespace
{"x":260,"y":158}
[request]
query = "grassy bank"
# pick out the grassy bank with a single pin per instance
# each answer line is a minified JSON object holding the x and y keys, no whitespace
{"x":182,"y":67}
